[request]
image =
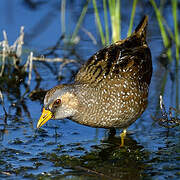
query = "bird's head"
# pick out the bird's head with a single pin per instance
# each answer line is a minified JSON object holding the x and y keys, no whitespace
{"x":60,"y":102}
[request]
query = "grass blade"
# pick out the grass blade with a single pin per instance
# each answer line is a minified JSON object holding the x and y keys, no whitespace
{"x":63,"y":20}
{"x":115,"y":14}
{"x":106,"y":21}
{"x":117,"y":20}
{"x":162,"y":29}
{"x":83,"y":13}
{"x":132,"y":17}
{"x":99,"y":22}
{"x":175,"y":18}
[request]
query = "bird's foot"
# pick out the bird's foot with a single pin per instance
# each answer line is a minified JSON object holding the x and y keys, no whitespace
{"x":123,"y":135}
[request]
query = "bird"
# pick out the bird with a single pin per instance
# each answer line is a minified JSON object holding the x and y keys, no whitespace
{"x":110,"y":90}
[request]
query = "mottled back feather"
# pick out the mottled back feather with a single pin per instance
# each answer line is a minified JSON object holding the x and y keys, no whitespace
{"x":116,"y":60}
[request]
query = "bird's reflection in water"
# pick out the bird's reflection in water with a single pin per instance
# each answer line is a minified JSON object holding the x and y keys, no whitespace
{"x":120,"y":162}
{"x":107,"y":160}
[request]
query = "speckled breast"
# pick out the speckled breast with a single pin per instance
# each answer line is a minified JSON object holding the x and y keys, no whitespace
{"x":112,"y":86}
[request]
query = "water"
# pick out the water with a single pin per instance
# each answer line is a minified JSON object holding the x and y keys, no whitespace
{"x":63,"y":149}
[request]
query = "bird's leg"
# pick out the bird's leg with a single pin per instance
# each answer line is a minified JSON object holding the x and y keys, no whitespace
{"x":123,"y":135}
{"x":112,"y":132}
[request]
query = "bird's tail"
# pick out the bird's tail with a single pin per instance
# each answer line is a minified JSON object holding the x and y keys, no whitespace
{"x":140,"y":30}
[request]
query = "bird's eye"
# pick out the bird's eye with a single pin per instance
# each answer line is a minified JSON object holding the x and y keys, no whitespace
{"x":57,"y":102}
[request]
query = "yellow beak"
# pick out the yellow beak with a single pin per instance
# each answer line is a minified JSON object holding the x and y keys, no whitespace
{"x":45,"y":116}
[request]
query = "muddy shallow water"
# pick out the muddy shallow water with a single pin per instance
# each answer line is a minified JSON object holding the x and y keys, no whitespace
{"x":62,"y":149}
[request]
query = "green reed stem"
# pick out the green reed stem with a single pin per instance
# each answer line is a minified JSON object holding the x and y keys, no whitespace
{"x":177,"y":88}
{"x":162,"y":29}
{"x":63,"y":20}
{"x":106,"y":21}
{"x":161,"y":6}
{"x":170,"y":33}
{"x":115,"y":14}
{"x":175,"y":18}
{"x":83,"y":13}
{"x":98,"y":22}
{"x":117,"y":20}
{"x":132,"y":17}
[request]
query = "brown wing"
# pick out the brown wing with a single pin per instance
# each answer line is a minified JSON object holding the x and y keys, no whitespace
{"x":131,"y":54}
{"x":98,"y":66}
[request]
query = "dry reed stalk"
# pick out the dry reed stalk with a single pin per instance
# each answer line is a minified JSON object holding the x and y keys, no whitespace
{"x":30,"y":59}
